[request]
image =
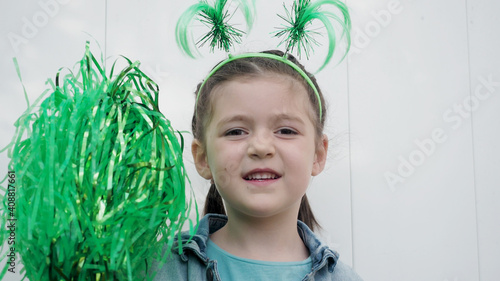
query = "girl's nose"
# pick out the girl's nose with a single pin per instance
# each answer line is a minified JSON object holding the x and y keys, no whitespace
{"x":261,"y":145}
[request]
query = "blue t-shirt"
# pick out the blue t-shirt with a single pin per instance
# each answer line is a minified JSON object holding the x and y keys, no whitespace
{"x":231,"y":267}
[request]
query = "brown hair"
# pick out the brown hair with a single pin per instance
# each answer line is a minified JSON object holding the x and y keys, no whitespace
{"x":245,"y":67}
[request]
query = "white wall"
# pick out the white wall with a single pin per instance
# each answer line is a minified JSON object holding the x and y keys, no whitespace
{"x":411,"y":188}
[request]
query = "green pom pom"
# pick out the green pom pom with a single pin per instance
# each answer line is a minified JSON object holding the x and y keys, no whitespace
{"x":221,"y":35}
{"x":100,"y":178}
{"x":297,"y":36}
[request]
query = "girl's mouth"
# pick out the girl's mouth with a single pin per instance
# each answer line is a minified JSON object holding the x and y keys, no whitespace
{"x":261,"y":176}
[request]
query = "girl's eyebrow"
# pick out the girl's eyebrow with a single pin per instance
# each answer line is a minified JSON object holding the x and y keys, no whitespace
{"x":233,"y":118}
{"x":274,"y":119}
{"x":288,"y":117}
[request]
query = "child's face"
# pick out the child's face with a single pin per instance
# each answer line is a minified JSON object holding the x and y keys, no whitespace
{"x":261,"y":149}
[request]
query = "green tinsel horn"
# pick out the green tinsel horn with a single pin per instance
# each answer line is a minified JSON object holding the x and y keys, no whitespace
{"x":297,"y":36}
{"x":99,"y":178}
{"x":216,"y":17}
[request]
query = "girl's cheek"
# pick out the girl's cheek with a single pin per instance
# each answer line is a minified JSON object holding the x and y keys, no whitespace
{"x":224,"y":175}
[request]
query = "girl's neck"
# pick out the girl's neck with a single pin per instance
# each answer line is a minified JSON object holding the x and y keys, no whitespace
{"x":267,"y":239}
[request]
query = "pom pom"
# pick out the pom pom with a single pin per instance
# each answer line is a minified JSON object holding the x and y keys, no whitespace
{"x":215,"y":17}
{"x":100,"y":178}
{"x":297,"y":36}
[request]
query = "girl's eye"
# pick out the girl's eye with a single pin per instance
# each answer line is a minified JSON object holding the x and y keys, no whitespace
{"x":234,"y":132}
{"x":287,"y":131}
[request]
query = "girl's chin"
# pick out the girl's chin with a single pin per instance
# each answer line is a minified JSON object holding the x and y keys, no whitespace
{"x":264,"y":210}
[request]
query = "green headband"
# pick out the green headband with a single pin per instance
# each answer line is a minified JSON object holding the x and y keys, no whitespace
{"x":296,"y":35}
{"x":269,"y":56}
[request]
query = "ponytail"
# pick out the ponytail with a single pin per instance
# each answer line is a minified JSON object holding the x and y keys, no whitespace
{"x":306,"y":215}
{"x":213,"y":202}
{"x":214,"y":205}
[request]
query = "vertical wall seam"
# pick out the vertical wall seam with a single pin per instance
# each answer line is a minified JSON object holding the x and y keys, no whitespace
{"x":350,"y":165}
{"x":105,"y":32}
{"x":472,"y":138}
{"x":350,"y":160}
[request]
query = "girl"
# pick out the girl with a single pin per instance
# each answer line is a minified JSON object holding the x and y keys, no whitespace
{"x":258,"y":137}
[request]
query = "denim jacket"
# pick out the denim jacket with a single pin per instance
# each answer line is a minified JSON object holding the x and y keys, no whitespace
{"x":194,"y":265}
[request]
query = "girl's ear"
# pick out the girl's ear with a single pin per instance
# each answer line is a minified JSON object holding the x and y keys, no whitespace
{"x":200,"y":159}
{"x":320,"y":157}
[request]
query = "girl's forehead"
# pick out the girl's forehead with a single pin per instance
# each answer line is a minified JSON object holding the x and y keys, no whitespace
{"x":280,"y":83}
{"x":274,"y":93}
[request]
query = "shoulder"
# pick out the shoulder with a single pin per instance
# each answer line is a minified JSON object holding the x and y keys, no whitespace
{"x":192,"y":262}
{"x":325,"y":260}
{"x":188,"y":265}
{"x":343,"y":272}
{"x":174,"y":268}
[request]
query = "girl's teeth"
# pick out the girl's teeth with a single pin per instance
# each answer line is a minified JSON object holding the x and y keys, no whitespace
{"x":261,"y":176}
